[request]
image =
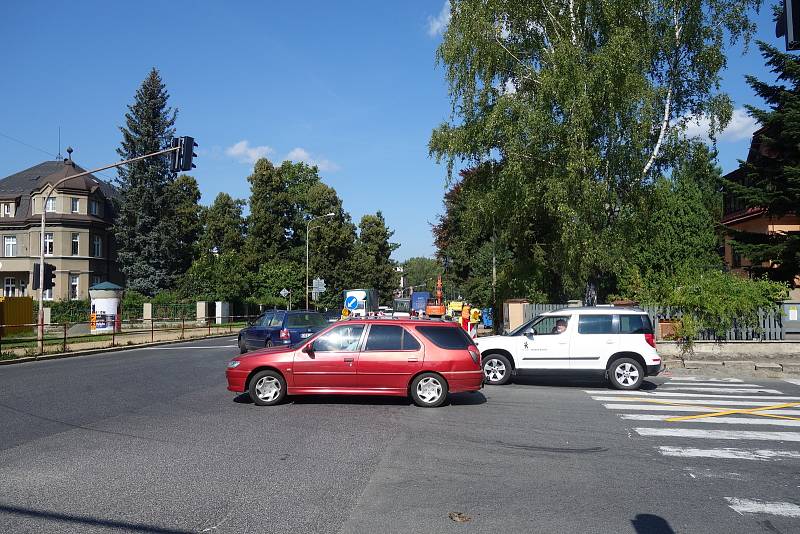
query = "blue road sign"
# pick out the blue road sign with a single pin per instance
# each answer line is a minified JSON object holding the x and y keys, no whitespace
{"x":351,"y":303}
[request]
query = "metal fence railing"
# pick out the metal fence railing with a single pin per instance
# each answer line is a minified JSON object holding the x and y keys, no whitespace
{"x":22,"y":339}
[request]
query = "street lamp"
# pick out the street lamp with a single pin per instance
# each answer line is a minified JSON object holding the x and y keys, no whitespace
{"x":308,"y":229}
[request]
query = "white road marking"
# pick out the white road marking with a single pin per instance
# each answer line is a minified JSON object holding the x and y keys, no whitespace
{"x":751,"y":506}
{"x":662,"y":408}
{"x":729,"y":453}
{"x":715,"y":420}
{"x":705,"y":379}
{"x":792,"y":381}
{"x":655,"y":394}
{"x":673,"y":385}
{"x":717,"y":434}
{"x":720,"y":390}
{"x":689,"y":402}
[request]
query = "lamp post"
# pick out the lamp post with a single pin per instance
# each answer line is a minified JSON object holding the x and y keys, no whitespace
{"x":308,"y":229}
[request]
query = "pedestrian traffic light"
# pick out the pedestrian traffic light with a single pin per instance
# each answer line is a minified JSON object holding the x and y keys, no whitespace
{"x":787,"y":24}
{"x":49,"y":276}
{"x":182,"y":158}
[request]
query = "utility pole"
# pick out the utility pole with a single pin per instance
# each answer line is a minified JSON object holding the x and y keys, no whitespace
{"x":308,"y":229}
{"x":178,"y":163}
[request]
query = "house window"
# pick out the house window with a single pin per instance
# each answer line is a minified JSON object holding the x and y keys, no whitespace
{"x":94,"y":207}
{"x":6,"y":209}
{"x":75,"y":205}
{"x":48,"y":243}
{"x":73,"y":286}
{"x":76,"y":241}
{"x":50,"y":205}
{"x":10,"y":287}
{"x":97,"y":246}
{"x":10,"y":246}
{"x":23,"y":288}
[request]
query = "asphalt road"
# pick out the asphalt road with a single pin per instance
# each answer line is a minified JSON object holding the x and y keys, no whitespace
{"x":150,"y":440}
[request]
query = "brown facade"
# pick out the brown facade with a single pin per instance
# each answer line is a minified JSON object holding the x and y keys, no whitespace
{"x":78,"y":237}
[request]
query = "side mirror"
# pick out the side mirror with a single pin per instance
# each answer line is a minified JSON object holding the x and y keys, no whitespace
{"x":308,"y":348}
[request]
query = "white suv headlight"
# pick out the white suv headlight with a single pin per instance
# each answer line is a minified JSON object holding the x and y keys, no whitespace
{"x":233,"y":363}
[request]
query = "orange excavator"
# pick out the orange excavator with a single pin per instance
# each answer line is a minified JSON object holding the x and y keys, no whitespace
{"x":436,"y":307}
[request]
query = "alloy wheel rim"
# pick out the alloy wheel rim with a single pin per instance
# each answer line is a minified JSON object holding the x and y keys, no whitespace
{"x":429,"y":390}
{"x":494,"y":370}
{"x":626,"y":374}
{"x":268,"y":388}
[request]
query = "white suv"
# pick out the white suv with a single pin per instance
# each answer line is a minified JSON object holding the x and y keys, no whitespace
{"x":617,"y":342}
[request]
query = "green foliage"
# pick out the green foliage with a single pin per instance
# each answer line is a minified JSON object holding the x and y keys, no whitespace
{"x":155,"y":224}
{"x":216,"y":278}
{"x":223,"y":226}
{"x":566,"y":114}
{"x":69,"y":311}
{"x":772,"y":172}
{"x":421,"y":271}
{"x":708,"y":300}
{"x":271,"y":278}
{"x":371,"y":264}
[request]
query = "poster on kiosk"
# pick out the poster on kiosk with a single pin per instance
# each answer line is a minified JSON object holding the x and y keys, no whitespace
{"x":105,"y":317}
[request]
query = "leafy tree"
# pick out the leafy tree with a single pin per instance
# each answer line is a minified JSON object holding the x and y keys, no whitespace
{"x":272,"y":277}
{"x":185,"y":195}
{"x":372,"y":264}
{"x":223,"y":226}
{"x":421,"y":271}
{"x":216,"y":278}
{"x":575,"y":108}
{"x":772,"y":174}
{"x":144,"y":230}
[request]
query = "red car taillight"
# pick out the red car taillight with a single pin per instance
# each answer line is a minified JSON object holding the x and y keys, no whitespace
{"x":476,"y":356}
{"x":285,"y":334}
{"x":651,"y":340}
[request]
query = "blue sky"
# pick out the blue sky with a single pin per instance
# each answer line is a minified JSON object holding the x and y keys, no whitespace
{"x":350,"y":86}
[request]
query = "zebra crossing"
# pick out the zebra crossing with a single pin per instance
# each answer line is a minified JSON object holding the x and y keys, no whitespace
{"x":691,"y":418}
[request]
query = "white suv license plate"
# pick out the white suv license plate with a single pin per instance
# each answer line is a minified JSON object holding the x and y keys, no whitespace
{"x":305,"y":335}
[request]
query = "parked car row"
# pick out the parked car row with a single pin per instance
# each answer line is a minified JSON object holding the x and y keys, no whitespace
{"x":301,"y":353}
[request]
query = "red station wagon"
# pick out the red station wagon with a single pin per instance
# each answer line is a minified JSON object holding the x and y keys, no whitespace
{"x":424,"y":359}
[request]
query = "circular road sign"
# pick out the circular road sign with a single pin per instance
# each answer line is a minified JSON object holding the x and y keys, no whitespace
{"x":351,"y":303}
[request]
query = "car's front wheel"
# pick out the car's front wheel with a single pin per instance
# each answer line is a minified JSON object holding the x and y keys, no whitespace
{"x":267,"y":388}
{"x":429,"y":390}
{"x":496,"y":369}
{"x":626,"y":373}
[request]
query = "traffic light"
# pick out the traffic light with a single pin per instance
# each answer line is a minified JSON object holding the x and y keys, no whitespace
{"x":182,"y":158}
{"x":787,"y":24}
{"x":49,"y":276}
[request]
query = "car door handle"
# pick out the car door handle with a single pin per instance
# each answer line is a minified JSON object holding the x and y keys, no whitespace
{"x":610,"y":341}
{"x":348,"y":359}
{"x":412,"y":359}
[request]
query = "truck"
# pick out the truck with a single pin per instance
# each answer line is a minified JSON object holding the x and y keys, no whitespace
{"x":366,"y":302}
{"x":402,"y":307}
{"x":419,"y":300}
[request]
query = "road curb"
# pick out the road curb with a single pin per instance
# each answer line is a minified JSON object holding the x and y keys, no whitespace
{"x":89,"y":352}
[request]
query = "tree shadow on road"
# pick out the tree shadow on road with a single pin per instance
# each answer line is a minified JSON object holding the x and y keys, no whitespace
{"x":71,"y":521}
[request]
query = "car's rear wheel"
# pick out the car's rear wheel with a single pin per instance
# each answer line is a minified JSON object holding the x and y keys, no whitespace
{"x":242,"y":345}
{"x":429,"y":390}
{"x":626,"y":373}
{"x":268,"y":343}
{"x":496,"y":369}
{"x":267,"y":388}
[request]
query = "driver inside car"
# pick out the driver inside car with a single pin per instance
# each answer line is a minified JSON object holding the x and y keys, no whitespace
{"x":560,"y":327}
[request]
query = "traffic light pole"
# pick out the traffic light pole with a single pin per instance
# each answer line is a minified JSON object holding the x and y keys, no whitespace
{"x":40,"y":334}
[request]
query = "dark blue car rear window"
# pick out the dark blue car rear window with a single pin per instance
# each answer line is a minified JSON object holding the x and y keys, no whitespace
{"x":305,"y":320}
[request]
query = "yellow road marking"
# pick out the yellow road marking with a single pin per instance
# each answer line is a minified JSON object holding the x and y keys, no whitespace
{"x":715,"y":412}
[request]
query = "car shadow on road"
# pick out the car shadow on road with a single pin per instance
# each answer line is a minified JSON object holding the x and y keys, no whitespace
{"x":571,"y":380}
{"x":455,"y":399}
{"x":651,"y":524}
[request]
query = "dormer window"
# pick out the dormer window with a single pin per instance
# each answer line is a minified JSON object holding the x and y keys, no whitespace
{"x":7,"y":209}
{"x":75,"y":205}
{"x":94,"y":207}
{"x":50,"y":205}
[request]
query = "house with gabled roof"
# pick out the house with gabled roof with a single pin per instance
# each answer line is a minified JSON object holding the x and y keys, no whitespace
{"x":78,"y":239}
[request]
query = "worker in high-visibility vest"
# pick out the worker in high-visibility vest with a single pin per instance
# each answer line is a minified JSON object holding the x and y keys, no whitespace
{"x":465,"y":317}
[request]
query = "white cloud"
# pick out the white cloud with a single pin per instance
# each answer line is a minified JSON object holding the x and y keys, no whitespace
{"x":740,"y":127}
{"x":246,"y":153}
{"x":438,"y":24}
{"x":299,"y":154}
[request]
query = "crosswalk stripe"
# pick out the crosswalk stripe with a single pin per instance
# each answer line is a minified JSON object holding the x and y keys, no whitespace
{"x":707,"y":379}
{"x":672,"y":383}
{"x":644,"y":394}
{"x":716,"y":420}
{"x":792,"y":381}
{"x":662,"y":408}
{"x":720,"y":390}
{"x":751,"y":506}
{"x":718,"y":434}
{"x":689,"y":402}
{"x":729,"y":453}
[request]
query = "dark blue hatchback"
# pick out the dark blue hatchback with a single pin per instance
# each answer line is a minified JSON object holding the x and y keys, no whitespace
{"x":279,"y":327}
